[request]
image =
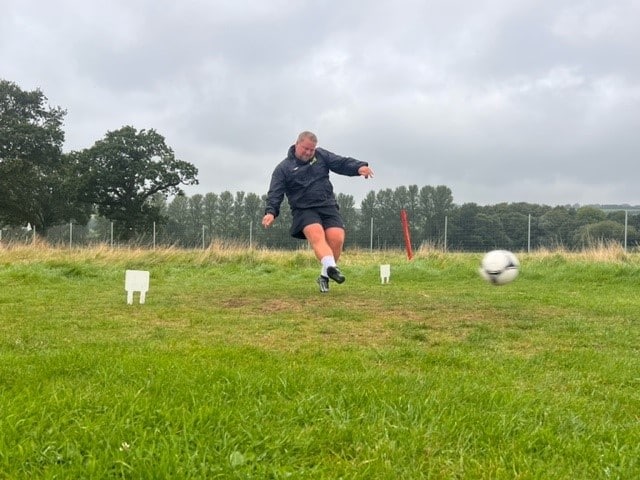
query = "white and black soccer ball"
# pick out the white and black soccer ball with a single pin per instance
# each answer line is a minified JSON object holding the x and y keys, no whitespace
{"x":499,"y":267}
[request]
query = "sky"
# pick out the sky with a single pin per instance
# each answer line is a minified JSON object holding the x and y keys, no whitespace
{"x":499,"y":100}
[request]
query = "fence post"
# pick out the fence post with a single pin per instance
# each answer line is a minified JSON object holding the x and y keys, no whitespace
{"x":111,"y":234}
{"x":250,"y":234}
{"x":203,"y":247}
{"x":626,"y":218}
{"x":154,"y":235}
{"x":70,"y":235}
{"x":371,"y":236}
{"x":529,"y":236}
{"x":446,"y":223}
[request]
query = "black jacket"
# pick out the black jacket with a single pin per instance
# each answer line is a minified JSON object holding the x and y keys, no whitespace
{"x":307,"y":184}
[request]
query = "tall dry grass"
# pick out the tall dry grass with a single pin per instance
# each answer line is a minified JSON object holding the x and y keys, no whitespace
{"x":219,"y":251}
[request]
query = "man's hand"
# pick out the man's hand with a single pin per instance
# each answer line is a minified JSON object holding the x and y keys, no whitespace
{"x":267,"y":220}
{"x":365,"y":172}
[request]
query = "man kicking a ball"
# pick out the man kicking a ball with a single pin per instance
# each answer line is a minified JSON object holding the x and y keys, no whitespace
{"x":304,"y":178}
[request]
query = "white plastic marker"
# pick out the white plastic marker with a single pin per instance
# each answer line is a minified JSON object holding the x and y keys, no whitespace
{"x":136,"y":281}
{"x":385,"y":273}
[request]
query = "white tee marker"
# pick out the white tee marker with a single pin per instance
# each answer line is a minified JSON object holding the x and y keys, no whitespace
{"x":385,"y":273}
{"x":136,"y":281}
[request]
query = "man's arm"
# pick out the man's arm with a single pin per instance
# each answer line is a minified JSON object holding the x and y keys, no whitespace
{"x":342,"y":165}
{"x":275,"y":195}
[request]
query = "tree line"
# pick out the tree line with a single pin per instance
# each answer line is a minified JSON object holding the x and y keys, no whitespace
{"x":130,"y":183}
{"x":434,"y":219}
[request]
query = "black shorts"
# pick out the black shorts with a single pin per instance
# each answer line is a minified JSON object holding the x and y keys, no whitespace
{"x":328,"y":217}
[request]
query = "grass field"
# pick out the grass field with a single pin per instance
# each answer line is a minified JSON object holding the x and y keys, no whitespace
{"x":237,"y":368}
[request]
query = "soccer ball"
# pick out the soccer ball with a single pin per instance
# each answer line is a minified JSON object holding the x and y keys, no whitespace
{"x":499,"y":267}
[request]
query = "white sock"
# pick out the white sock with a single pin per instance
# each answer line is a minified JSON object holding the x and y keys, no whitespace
{"x":327,"y":262}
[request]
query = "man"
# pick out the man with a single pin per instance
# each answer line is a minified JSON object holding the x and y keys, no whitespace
{"x":304,"y":178}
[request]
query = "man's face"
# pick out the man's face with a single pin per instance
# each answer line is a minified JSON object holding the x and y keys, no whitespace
{"x":305,"y":149}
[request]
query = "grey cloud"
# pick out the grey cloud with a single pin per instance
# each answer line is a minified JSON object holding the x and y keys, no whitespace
{"x":504,"y":100}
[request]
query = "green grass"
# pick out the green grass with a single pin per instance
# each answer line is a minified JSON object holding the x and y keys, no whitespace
{"x":236,"y":367}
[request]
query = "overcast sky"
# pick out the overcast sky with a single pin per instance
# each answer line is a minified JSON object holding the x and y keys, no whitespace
{"x":500,"y":100}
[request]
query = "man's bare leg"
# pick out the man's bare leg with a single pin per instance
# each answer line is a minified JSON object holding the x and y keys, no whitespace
{"x":325,"y":245}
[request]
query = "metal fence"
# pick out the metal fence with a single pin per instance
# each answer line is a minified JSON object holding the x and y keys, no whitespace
{"x":525,"y":235}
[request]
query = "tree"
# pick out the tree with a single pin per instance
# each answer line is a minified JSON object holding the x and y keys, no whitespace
{"x":488,"y":233}
{"x":125,"y":170}
{"x":595,"y":234}
{"x":184,"y":221}
{"x":435,"y":204}
{"x":589,"y":215}
{"x":349,"y":216}
{"x":38,"y":184}
{"x":224,"y":217}
{"x":516,"y":228}
{"x":557,"y":227}
{"x":210,"y":211}
{"x":178,"y":219}
{"x":462,"y":227}
{"x":368,"y":212}
{"x":240,"y":226}
{"x":387,"y":219}
{"x":196,"y":213}
{"x":253,"y":211}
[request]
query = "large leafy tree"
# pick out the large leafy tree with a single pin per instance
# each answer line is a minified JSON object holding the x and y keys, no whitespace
{"x":435,"y":204}
{"x":594,"y":234}
{"x":38,"y":184}
{"x":557,"y":227}
{"x":126,"y":170}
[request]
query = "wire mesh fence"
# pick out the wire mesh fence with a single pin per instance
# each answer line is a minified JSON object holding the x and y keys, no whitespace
{"x":449,"y":233}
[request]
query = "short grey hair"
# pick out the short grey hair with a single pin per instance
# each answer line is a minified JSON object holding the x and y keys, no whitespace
{"x":306,"y":134}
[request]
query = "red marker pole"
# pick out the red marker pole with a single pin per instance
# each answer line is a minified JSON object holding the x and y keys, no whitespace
{"x":407,"y":235}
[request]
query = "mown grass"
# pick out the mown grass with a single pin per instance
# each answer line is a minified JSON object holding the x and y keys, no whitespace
{"x":236,"y":367}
